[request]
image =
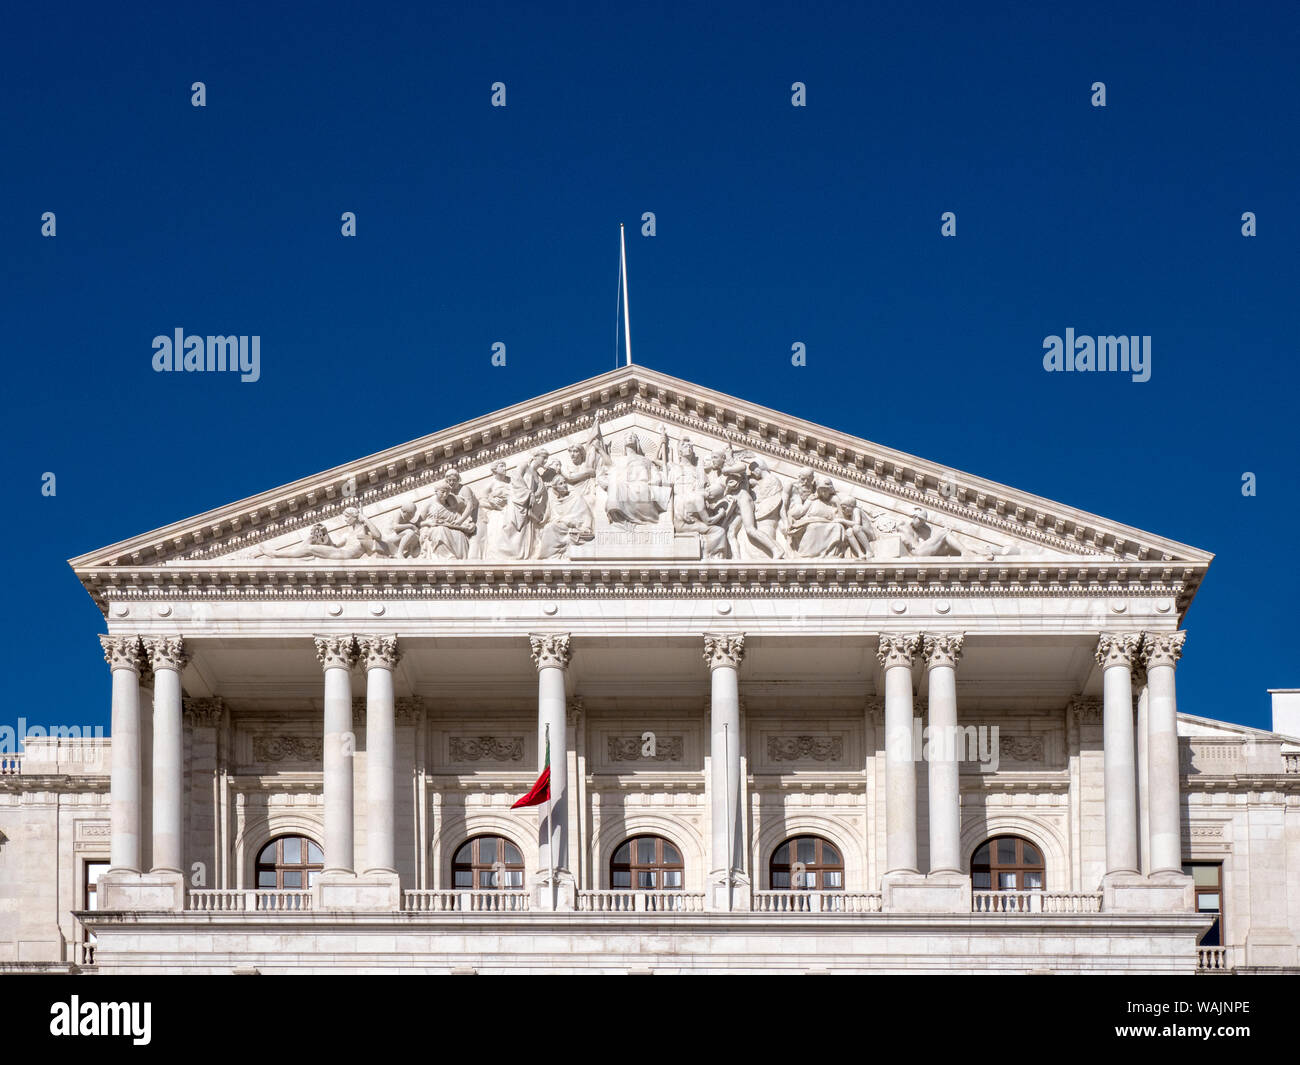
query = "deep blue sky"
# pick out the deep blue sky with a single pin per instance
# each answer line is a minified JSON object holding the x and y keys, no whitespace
{"x":775,"y":224}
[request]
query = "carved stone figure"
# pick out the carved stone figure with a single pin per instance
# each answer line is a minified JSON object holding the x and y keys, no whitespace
{"x":859,"y":532}
{"x":494,"y":502}
{"x":524,"y":510}
{"x":635,"y":490}
{"x":568,"y":522}
{"x":444,"y":531}
{"x":405,"y":541}
{"x":360,"y":537}
{"x":743,"y":529}
{"x":578,"y":468}
{"x":817,"y":528}
{"x":769,"y":499}
{"x":925,"y":539}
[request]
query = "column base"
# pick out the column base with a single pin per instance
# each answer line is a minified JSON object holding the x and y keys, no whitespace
{"x":558,"y":895}
{"x":918,"y":893}
{"x":374,"y":892}
{"x":123,"y":889}
{"x":1135,"y":893}
{"x":722,"y":897}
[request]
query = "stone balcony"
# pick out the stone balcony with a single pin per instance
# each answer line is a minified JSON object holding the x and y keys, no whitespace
{"x":267,"y":901}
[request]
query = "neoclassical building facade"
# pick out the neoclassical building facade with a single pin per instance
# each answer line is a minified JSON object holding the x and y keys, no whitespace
{"x":806,"y":704}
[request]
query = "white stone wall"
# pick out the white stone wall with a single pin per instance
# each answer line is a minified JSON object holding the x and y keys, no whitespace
{"x":1240,"y":808}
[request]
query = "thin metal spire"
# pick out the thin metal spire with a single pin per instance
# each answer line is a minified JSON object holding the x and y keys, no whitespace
{"x":627,"y":317}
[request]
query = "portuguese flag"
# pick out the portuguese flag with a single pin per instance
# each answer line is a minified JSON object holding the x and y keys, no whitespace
{"x":541,"y":790}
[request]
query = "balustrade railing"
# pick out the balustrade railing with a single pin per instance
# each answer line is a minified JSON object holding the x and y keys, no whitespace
{"x":816,"y":902}
{"x":1035,"y":902}
{"x":252,"y":900}
{"x":11,"y":765}
{"x":85,"y":953}
{"x":466,"y":901}
{"x":1212,"y":960}
{"x":641,"y":901}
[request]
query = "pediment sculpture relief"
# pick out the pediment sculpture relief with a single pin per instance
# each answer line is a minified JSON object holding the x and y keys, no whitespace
{"x":638,"y":494}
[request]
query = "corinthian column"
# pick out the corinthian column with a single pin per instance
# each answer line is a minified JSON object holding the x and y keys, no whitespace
{"x":380,"y":655}
{"x":941,"y":655}
{"x":1115,"y":654}
{"x":896,"y":654}
{"x":122,"y":653}
{"x":1160,"y":652}
{"x":337,"y":656}
{"x":723,"y":655}
{"x":167,"y":657}
{"x":551,"y":657}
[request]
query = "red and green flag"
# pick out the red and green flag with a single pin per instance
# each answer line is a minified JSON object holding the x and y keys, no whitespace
{"x":541,"y":790}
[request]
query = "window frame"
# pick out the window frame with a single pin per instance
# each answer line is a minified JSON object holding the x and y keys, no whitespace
{"x":1212,"y":936}
{"x":476,"y":868}
{"x":818,"y":868}
{"x":657,"y":866}
{"x":994,"y":868}
{"x":279,"y":867}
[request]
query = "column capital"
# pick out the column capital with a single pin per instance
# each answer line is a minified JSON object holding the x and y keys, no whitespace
{"x":336,"y":652}
{"x":166,"y":652}
{"x":942,"y":648}
{"x":724,"y":649}
{"x":1117,"y":649}
{"x":1162,"y":648}
{"x":550,"y":650}
{"x":378,"y":651}
{"x":875,"y":708}
{"x":409,"y":709}
{"x":898,"y":650}
{"x":203,"y":713}
{"x":123,"y":652}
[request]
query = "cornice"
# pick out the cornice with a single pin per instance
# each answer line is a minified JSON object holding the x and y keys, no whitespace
{"x":663,"y":398}
{"x":393,"y":580}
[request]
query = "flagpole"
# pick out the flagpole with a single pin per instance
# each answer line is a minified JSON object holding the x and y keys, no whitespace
{"x":726,"y":796}
{"x":627,"y":317}
{"x":550,"y":799}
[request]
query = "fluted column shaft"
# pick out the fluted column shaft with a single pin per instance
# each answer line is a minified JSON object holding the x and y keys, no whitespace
{"x":896,"y":654}
{"x":724,"y":654}
{"x":941,"y":655}
{"x":337,"y":655}
{"x":551,"y":657}
{"x":1115,"y":654}
{"x":380,"y":655}
{"x":123,"y":656}
{"x":167,"y":657}
{"x":1161,"y":652}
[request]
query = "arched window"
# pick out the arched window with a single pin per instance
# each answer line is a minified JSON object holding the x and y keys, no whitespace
{"x":1007,"y":863}
{"x":289,"y":862}
{"x":806,"y":863}
{"x":485,"y":863}
{"x":647,"y":863}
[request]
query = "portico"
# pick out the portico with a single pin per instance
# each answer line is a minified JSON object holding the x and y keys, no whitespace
{"x":796,"y":691}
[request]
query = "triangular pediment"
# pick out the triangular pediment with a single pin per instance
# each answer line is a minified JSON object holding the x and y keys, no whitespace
{"x":636,"y":466}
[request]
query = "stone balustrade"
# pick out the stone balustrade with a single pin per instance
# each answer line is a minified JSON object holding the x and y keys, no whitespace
{"x":466,"y":901}
{"x":817,"y":902}
{"x":641,"y":901}
{"x":1035,"y":902}
{"x":1212,"y":960}
{"x":252,"y":900}
{"x":11,"y":765}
